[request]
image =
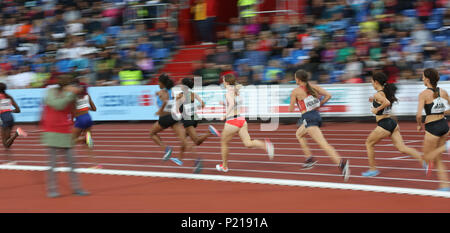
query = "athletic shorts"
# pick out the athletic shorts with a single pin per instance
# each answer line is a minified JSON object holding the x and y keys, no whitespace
{"x":7,"y":119}
{"x":83,"y":121}
{"x":167,"y":121}
{"x":311,"y":118}
{"x":236,"y":121}
{"x":388,"y":124}
{"x":437,"y":128}
{"x":189,"y":123}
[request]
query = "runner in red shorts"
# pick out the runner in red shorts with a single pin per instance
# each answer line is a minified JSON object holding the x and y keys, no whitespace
{"x":237,"y":124}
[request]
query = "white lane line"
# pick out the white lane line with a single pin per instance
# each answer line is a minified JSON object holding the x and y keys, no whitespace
{"x":203,"y":127}
{"x":255,"y":180}
{"x":275,"y":163}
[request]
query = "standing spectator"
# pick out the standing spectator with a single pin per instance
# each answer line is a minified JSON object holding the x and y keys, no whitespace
{"x":200,"y":20}
{"x":56,"y":125}
{"x":130,"y":75}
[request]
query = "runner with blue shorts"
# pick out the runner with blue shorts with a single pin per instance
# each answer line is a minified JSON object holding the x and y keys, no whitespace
{"x":306,"y":97}
{"x":83,"y":122}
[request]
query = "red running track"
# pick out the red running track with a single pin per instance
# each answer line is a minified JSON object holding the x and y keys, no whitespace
{"x":127,"y":147}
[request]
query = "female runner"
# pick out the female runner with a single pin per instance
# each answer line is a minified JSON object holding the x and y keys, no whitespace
{"x":306,"y":96}
{"x":237,"y":124}
{"x":166,"y":104}
{"x":83,"y":121}
{"x":436,"y":126}
{"x":6,"y":101}
{"x":382,"y":104}
{"x":186,"y":103}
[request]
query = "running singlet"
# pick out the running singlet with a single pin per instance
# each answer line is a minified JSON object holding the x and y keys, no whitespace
{"x":83,"y":104}
{"x":188,"y":109}
{"x":436,"y":107}
{"x":308,"y":104}
{"x":385,"y":111}
{"x":170,"y":102}
{"x":5,"y":104}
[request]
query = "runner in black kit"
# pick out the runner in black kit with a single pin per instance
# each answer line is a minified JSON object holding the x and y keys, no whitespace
{"x":382,"y":105}
{"x":436,"y":127}
{"x":188,"y":102}
{"x":166,"y":119}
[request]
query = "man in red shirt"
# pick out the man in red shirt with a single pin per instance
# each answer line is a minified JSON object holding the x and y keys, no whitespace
{"x":56,"y":124}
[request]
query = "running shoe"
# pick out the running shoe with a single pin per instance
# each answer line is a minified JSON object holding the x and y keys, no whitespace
{"x":97,"y":167}
{"x":21,"y":132}
{"x":220,"y":168}
{"x":270,"y":149}
{"x":198,"y":166}
{"x":214,"y":131}
{"x":309,"y":163}
{"x":80,"y":192}
{"x":177,"y":161}
{"x":370,"y":173}
{"x":444,"y":189}
{"x":89,"y":140}
{"x":168,"y":153}
{"x":53,"y":194}
{"x":345,"y":167}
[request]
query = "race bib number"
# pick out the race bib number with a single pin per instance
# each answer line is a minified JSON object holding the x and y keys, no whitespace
{"x":438,"y":106}
{"x":5,"y":104}
{"x":311,"y":103}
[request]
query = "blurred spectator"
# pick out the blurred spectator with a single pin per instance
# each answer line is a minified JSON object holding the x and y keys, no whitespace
{"x":200,"y":10}
{"x":424,"y":8}
{"x":129,"y":75}
{"x":420,"y":35}
{"x":223,"y":56}
{"x":210,"y":74}
{"x":353,"y":70}
{"x":273,"y":73}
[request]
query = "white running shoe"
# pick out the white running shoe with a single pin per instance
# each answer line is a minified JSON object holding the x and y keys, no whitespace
{"x":220,"y":168}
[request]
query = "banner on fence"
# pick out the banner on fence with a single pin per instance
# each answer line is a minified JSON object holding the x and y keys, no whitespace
{"x":122,"y":103}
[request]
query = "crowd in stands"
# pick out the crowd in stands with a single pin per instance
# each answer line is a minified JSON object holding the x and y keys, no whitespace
{"x":339,"y":41}
{"x":91,"y":39}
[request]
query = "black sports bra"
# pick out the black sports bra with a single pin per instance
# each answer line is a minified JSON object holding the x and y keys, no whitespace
{"x":436,"y":107}
{"x":384,"y":111}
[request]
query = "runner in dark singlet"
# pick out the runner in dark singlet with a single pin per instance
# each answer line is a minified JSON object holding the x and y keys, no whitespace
{"x":382,"y":105}
{"x":436,"y":127}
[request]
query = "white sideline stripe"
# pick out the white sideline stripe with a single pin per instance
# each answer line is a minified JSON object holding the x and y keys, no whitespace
{"x":250,"y":171}
{"x":285,"y":182}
